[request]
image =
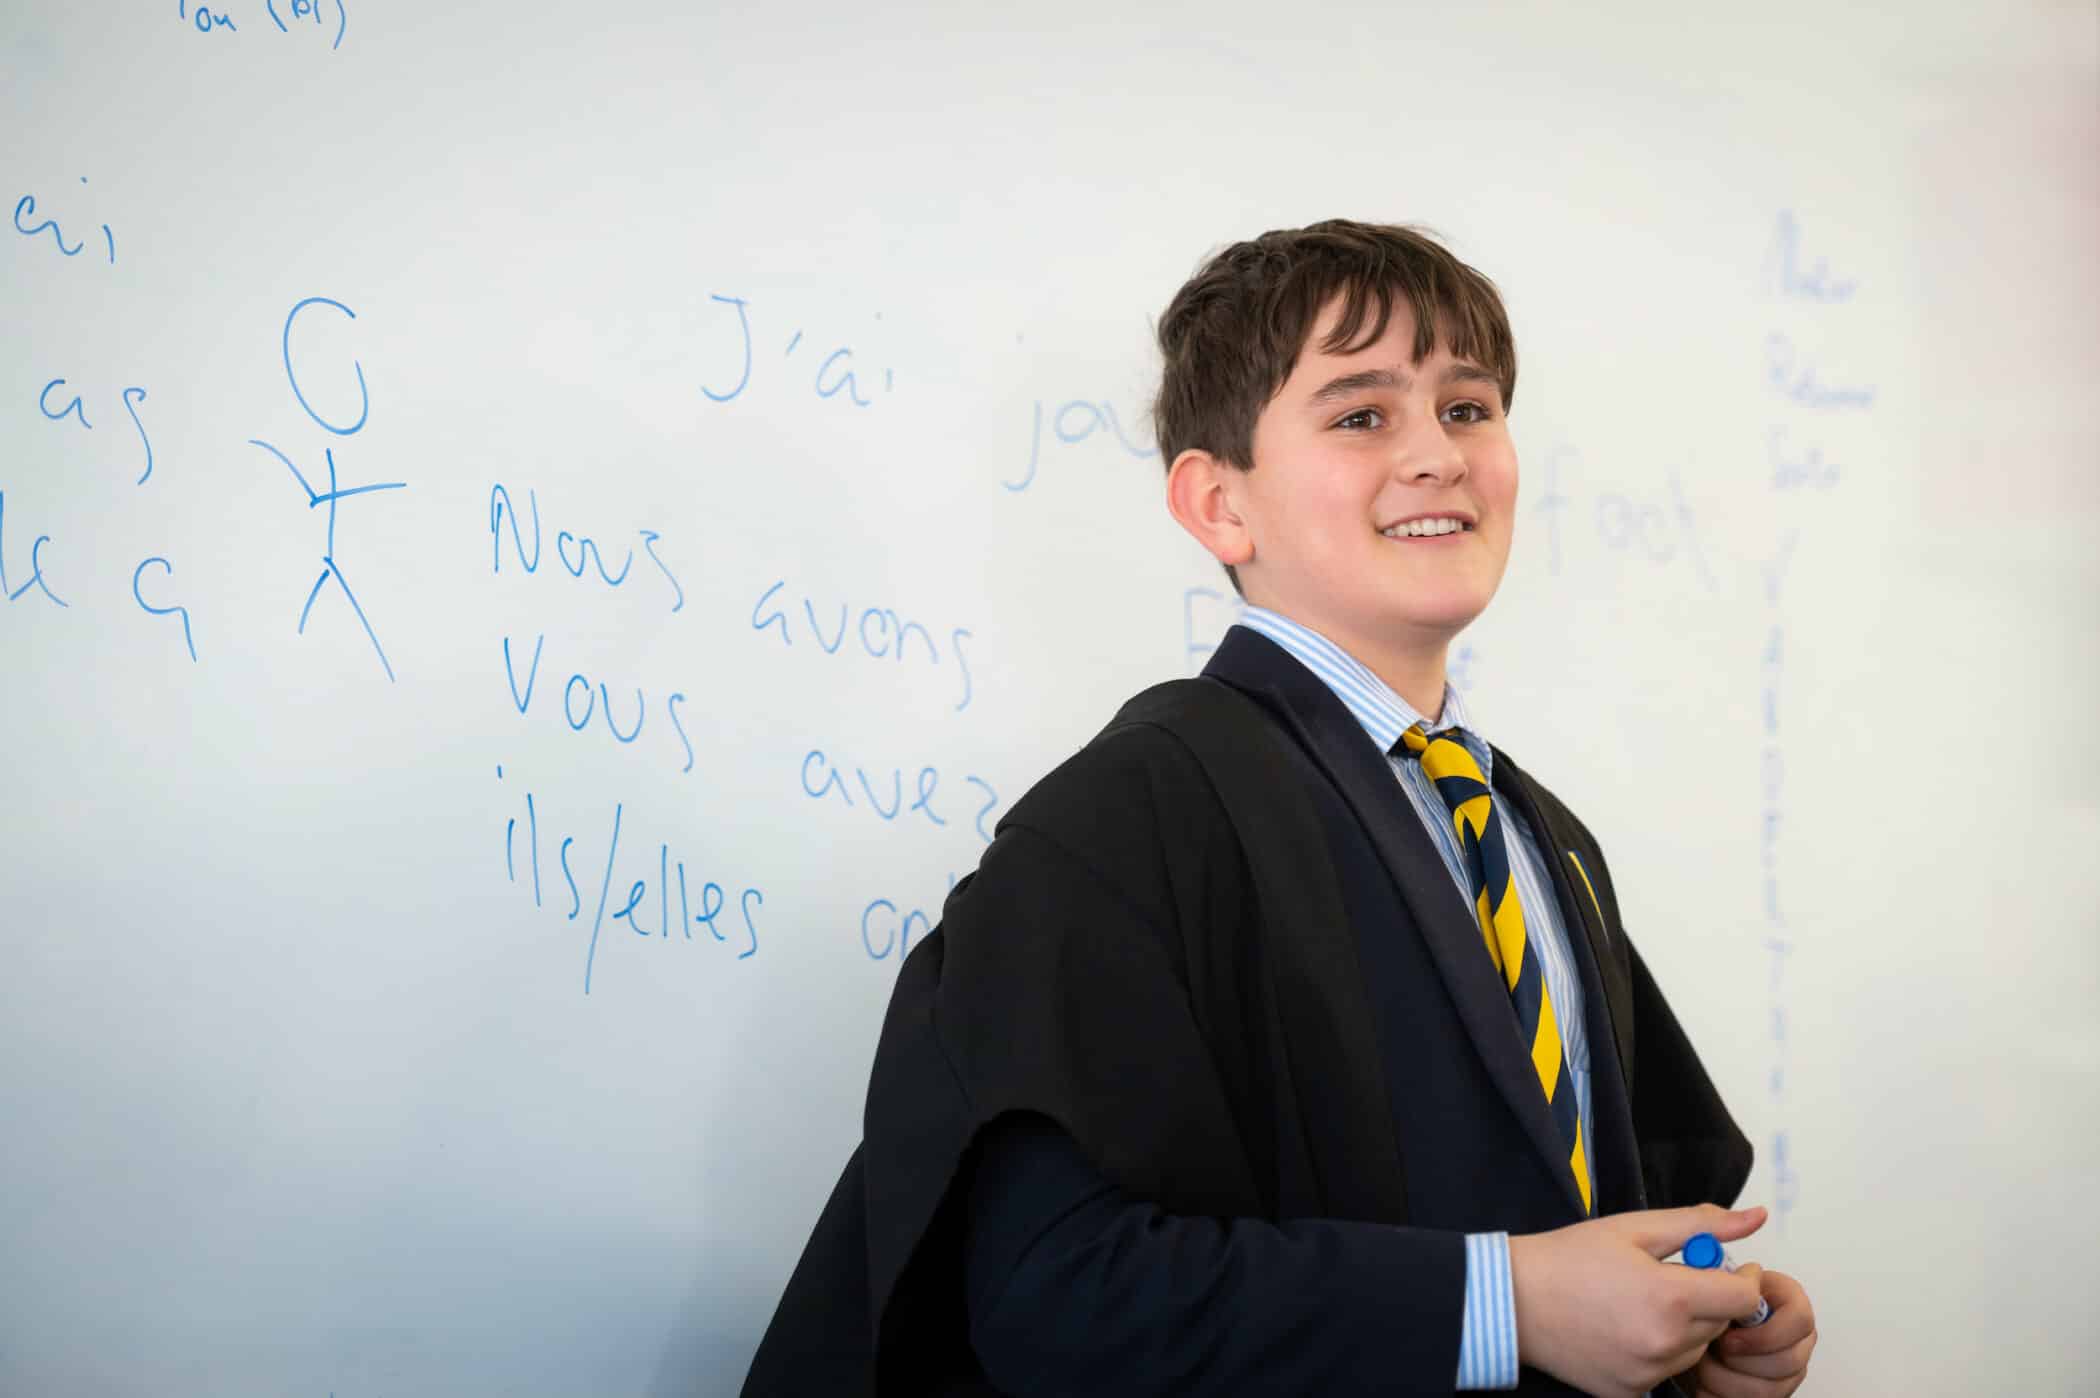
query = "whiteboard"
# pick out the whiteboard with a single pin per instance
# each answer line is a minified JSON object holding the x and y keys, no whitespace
{"x":450,"y":902}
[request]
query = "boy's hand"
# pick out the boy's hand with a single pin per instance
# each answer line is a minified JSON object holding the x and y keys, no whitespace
{"x":1767,"y":1361}
{"x":1598,"y":1309}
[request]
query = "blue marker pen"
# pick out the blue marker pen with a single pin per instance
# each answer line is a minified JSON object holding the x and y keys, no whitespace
{"x":1704,"y":1251}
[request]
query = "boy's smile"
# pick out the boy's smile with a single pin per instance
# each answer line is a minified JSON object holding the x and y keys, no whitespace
{"x":1380,"y":504}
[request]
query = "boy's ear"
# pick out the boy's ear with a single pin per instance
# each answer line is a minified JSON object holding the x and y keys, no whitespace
{"x":1202,"y":497}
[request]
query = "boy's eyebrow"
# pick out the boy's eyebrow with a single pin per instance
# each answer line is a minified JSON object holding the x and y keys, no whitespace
{"x":1457,"y":372}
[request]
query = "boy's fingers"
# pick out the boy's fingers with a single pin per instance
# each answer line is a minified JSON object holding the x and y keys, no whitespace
{"x":1661,"y":1232}
{"x":1755,"y":1275}
{"x":1714,"y":1379}
{"x":1774,"y":1366}
{"x":1719,"y":1296}
{"x":1687,"y":1359}
{"x":1792,"y":1320}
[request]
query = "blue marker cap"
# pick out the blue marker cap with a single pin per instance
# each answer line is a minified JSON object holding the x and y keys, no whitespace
{"x":1704,"y":1251}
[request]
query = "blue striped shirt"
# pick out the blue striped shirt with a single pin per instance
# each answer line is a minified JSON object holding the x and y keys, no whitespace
{"x":1487,"y":1349}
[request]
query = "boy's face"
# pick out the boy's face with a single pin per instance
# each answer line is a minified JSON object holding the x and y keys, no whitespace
{"x":1353,"y":445}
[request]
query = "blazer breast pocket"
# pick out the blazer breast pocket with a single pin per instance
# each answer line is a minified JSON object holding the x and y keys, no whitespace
{"x":1582,"y":876}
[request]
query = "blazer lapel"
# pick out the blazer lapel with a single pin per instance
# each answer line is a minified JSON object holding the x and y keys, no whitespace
{"x":1607,"y":992}
{"x":1331,"y":734}
{"x":1579,"y":908}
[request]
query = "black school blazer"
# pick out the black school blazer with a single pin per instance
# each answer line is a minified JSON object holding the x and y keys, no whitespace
{"x":1219,"y":949}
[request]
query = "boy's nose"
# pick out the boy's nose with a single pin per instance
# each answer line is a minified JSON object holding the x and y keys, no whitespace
{"x":1431,"y":455}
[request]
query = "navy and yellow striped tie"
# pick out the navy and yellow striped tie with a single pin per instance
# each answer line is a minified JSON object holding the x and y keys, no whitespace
{"x":1480,"y":835}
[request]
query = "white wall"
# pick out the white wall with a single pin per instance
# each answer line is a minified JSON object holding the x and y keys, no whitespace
{"x":305,"y":1089}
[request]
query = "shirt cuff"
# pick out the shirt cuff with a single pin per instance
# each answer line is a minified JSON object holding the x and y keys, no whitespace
{"x":1487,"y":1339}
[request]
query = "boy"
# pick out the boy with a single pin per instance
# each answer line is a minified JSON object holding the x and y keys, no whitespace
{"x":1286,"y":1039}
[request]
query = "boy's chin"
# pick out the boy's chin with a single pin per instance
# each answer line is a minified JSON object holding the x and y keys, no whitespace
{"x":1432,"y":616}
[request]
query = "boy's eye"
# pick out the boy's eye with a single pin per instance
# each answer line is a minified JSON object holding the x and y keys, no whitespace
{"x":1365,"y":419}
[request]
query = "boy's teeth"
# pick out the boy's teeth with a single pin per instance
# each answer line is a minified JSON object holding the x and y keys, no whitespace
{"x":1421,"y":527}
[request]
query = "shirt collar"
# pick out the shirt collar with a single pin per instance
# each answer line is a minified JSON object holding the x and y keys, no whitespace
{"x":1382,"y":713}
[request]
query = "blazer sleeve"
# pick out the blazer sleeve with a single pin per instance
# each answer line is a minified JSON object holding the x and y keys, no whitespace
{"x":1692,"y":1151}
{"x":1077,"y":1289}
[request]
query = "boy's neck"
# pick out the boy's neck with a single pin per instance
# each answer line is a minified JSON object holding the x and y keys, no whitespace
{"x":1415,"y":673}
{"x":1419,"y":679}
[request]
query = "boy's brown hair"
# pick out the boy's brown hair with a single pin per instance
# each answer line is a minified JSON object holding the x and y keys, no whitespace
{"x":1232,"y":334}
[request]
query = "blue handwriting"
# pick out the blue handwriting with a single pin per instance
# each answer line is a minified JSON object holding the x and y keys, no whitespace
{"x":1200,"y":639}
{"x":364,"y":397}
{"x":820,"y":779}
{"x":883,"y":916}
{"x":1641,"y":527}
{"x":1772,"y":668}
{"x":1655,"y":530}
{"x":205,"y":21}
{"x":1072,"y":423}
{"x":712,"y":897}
{"x":1784,"y":273}
{"x":36,"y":565}
{"x":835,"y":375}
{"x":1786,"y":1182}
{"x":75,"y":408}
{"x":579,"y":553}
{"x":1459,"y":671}
{"x":1772,"y":664}
{"x":1793,"y":468}
{"x":1777,"y":950}
{"x":72,"y":409}
{"x":896,"y":935}
{"x":25,"y":208}
{"x":878,"y":631}
{"x":580,"y":701}
{"x":1803,"y":470}
{"x":1800,"y":384}
{"x":151,"y":610}
{"x":331,"y":567}
{"x":1778,"y":943}
{"x":1551,"y":502}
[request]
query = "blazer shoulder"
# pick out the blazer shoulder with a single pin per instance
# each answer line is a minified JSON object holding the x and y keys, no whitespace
{"x":1127,"y":771}
{"x":1149,"y":759}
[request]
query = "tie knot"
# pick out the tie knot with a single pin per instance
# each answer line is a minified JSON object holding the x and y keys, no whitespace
{"x":1414,"y":740}
{"x":1447,"y":761}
